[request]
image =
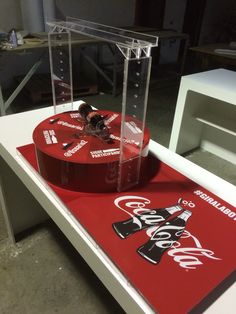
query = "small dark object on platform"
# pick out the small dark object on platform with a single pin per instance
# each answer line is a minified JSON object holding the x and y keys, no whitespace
{"x":95,"y":124}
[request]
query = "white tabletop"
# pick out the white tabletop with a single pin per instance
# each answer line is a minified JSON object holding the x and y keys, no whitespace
{"x":219,"y":83}
{"x":16,"y":130}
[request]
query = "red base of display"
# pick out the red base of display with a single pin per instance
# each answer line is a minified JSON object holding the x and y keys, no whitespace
{"x":192,"y":268}
{"x":72,"y":159}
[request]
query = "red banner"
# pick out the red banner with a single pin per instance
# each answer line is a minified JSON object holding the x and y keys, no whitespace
{"x":172,"y":239}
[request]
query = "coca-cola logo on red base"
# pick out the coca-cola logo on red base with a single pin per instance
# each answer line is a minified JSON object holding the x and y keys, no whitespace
{"x":167,"y":231}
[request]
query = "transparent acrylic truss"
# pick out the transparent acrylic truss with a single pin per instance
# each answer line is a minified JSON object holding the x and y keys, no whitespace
{"x":136,"y":49}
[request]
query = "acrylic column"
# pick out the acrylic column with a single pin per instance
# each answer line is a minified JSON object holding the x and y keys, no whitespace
{"x":61,"y":68}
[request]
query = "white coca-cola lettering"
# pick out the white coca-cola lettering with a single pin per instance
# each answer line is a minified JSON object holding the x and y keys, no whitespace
{"x":185,"y":258}
{"x":151,"y":219}
{"x":185,"y":261}
{"x":150,"y":231}
{"x":137,"y":204}
{"x":164,"y":232}
{"x":148,"y":220}
{"x":188,"y":257}
{"x":164,"y":244}
{"x":164,"y":236}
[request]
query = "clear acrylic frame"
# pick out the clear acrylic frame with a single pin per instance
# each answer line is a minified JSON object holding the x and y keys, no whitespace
{"x":136,"y":50}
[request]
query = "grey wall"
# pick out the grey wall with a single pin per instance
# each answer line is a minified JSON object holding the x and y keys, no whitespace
{"x":174,"y":14}
{"x":217,"y":15}
{"x":115,"y":12}
{"x":173,"y":19}
{"x":10,"y":15}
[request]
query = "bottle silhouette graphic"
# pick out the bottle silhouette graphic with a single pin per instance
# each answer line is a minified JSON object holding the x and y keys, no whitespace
{"x":146,"y":219}
{"x":164,"y":237}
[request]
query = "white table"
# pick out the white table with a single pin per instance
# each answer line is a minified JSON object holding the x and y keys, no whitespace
{"x":205,"y":114}
{"x":126,"y":295}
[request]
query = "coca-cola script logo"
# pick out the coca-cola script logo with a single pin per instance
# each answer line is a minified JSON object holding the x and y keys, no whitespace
{"x":187,"y":256}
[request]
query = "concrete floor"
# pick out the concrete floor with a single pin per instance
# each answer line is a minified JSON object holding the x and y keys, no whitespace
{"x":43,"y":273}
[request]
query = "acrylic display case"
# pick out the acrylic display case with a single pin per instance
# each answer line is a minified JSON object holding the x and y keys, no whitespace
{"x":128,"y":133}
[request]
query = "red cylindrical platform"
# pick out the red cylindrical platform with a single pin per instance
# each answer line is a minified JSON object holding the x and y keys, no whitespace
{"x":71,"y":159}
